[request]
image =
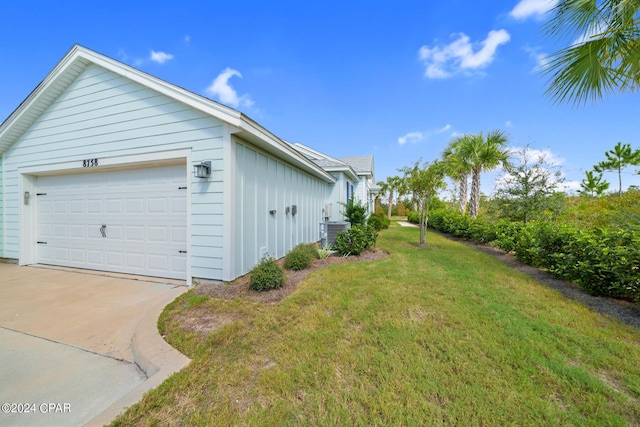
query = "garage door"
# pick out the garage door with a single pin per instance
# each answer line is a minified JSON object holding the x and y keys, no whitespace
{"x":129,"y":221}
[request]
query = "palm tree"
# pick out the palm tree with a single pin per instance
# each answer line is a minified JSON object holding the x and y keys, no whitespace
{"x":483,"y":155}
{"x":389,"y":188}
{"x":458,"y":168}
{"x":605,"y":53}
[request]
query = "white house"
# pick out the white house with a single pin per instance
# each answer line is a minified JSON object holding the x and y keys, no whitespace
{"x":106,"y":167}
{"x":354,"y":177}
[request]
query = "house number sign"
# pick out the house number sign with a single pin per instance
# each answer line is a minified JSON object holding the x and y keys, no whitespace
{"x":89,"y":163}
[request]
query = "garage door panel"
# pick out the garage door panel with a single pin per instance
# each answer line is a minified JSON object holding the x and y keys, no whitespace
{"x":144,"y":211}
{"x":135,"y":206}
{"x":77,"y":255}
{"x":113,"y":206}
{"x":77,"y":231}
{"x":179,"y":235}
{"x":95,"y":258}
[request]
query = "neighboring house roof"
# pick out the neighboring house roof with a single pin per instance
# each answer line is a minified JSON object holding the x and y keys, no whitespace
{"x":328,"y":163}
{"x":79,"y":58}
{"x":363,"y":165}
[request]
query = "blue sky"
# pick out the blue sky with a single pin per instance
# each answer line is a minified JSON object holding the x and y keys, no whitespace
{"x":396,"y":79}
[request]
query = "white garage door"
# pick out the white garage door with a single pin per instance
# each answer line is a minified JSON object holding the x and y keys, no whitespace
{"x":129,"y":221}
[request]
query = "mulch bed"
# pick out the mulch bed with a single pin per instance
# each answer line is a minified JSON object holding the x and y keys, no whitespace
{"x":627,"y":312}
{"x":240,"y":286}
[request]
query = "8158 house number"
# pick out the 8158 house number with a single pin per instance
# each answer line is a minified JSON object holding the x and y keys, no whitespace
{"x":89,"y":163}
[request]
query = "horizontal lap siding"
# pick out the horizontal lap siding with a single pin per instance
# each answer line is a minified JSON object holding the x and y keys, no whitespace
{"x":264,"y":183}
{"x":103,"y":114}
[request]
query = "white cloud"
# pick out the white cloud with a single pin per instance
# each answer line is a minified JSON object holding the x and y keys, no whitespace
{"x":411,"y":137}
{"x":415,"y":137}
{"x":533,"y":154}
{"x":570,"y":186}
{"x":223,"y":90}
{"x":160,"y":57}
{"x":460,"y":55}
{"x":532,"y":8}
{"x":508,"y":124}
{"x":541,"y":59}
{"x":187,"y":40}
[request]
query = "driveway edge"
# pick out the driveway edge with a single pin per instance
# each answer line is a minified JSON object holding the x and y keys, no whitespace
{"x":153,"y":356}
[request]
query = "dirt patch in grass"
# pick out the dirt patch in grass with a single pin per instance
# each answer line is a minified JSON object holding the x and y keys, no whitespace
{"x":239,"y":288}
{"x":627,"y":312}
{"x":203,"y":320}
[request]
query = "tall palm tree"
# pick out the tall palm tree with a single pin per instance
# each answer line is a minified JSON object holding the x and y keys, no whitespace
{"x":605,"y":52}
{"x":483,"y":154}
{"x":458,"y":168}
{"x":388,"y":188}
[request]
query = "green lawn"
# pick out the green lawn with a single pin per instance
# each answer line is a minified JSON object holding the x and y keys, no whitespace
{"x":440,"y":335}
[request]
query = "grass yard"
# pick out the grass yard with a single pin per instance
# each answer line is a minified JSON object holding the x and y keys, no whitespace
{"x":440,"y":335}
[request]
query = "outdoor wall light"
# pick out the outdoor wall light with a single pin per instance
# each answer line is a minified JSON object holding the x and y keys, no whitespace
{"x":202,"y":170}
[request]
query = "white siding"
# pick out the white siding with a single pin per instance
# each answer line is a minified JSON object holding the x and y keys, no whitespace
{"x":361,"y":191}
{"x":264,"y":183}
{"x":103,"y":115}
{"x":338,"y":196}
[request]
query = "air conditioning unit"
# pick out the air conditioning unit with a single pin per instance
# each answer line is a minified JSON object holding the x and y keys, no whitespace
{"x":333,"y":228}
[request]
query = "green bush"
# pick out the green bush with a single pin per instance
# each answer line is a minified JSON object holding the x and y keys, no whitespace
{"x":266,"y":275}
{"x":310,"y":248}
{"x":413,"y":217}
{"x":325,"y":252}
{"x":602,"y":262}
{"x":378,"y":221}
{"x":300,"y":257}
{"x":354,"y":240}
{"x":355,"y":211}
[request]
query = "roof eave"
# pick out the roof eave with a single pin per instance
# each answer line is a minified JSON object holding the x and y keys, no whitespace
{"x":250,"y":129}
{"x":258,"y":135}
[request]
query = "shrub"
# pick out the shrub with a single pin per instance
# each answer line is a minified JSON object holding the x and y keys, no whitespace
{"x":266,"y":275}
{"x":355,"y":211}
{"x":300,"y":257}
{"x":602,"y":262}
{"x":354,"y":240}
{"x":378,"y":221}
{"x":325,"y":252}
{"x":413,"y":217}
{"x":310,"y":248}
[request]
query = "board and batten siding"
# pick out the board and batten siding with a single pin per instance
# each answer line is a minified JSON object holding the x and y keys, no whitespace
{"x":263,"y":184}
{"x":106,"y":116}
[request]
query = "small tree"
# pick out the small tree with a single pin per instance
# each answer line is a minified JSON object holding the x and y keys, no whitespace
{"x":527,"y":188}
{"x":424,"y":184}
{"x":355,"y":211}
{"x":619,"y":158}
{"x":593,"y":184}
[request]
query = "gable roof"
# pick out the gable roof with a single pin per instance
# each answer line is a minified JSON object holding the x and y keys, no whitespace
{"x":79,"y":58}
{"x":328,"y":163}
{"x":363,"y":165}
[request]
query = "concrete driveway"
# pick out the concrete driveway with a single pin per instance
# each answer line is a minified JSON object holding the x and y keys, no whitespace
{"x":77,"y":347}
